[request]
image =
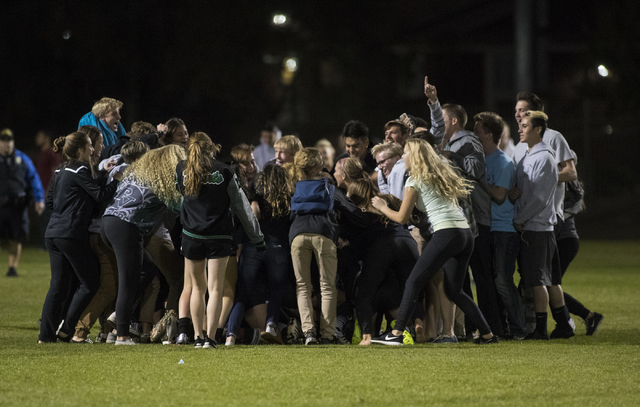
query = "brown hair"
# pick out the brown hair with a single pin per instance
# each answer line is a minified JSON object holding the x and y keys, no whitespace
{"x":173,"y":124}
{"x":71,"y":145}
{"x":201,"y":152}
{"x":491,"y":123}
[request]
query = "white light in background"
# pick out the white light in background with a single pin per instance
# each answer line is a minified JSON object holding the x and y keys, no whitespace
{"x":66,"y":35}
{"x":279,"y":19}
{"x":291,"y":64}
{"x":604,"y":72}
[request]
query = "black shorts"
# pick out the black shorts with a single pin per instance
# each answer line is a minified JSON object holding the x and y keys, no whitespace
{"x":534,"y":260}
{"x":200,"y":249}
{"x":14,"y":224}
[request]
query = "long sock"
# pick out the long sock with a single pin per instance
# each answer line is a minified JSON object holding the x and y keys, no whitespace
{"x":541,"y":323}
{"x":576,"y":307}
{"x":183,"y":325}
{"x":560,"y":315}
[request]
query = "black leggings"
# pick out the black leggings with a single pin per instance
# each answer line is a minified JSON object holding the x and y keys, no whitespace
{"x":452,"y":249}
{"x":390,"y":257}
{"x":567,"y":251}
{"x":135,"y":267}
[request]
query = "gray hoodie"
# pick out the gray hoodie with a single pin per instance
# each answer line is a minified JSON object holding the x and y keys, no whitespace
{"x":536,"y":177}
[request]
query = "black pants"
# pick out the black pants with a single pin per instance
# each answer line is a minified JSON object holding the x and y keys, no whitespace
{"x":135,"y":267}
{"x":452,"y":249}
{"x":70,"y":259}
{"x":390,"y":257}
{"x":567,"y":251}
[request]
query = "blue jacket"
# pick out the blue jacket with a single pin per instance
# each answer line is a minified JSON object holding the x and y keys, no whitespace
{"x":18,"y":175}
{"x":109,"y":136}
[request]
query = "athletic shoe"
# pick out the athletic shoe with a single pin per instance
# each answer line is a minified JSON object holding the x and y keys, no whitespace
{"x":310,"y":338}
{"x":82,"y":341}
{"x":231,"y":341}
{"x":252,"y":336}
{"x":593,"y":323}
{"x":536,"y":336}
{"x":294,"y":332}
{"x":329,"y":341}
{"x":66,"y":339}
{"x":209,"y":343}
{"x":12,"y":272}
{"x":183,"y":339}
{"x":127,"y":341}
{"x":484,"y":341}
{"x":111,"y":337}
{"x":433,"y":340}
{"x":198,"y":343}
{"x":388,"y":339}
{"x":101,"y":338}
{"x":562,"y":333}
{"x":145,"y":338}
{"x":112,"y":319}
{"x":271,"y":337}
{"x":446,"y":339}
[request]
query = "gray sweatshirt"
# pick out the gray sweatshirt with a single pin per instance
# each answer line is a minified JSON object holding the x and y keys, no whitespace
{"x":536,"y":177}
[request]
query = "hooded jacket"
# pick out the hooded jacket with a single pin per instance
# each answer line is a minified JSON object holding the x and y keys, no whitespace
{"x":536,"y":177}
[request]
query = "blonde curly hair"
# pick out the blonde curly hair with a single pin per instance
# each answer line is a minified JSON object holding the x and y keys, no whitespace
{"x":156,"y":170}
{"x":427,"y":166}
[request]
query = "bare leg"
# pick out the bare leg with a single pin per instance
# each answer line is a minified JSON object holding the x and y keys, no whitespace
{"x":556,"y":296}
{"x":194,"y":271}
{"x":447,"y":307}
{"x":540,"y":298}
{"x":257,"y":316}
{"x":15,"y":250}
{"x":229,"y":290}
{"x":217,"y":270}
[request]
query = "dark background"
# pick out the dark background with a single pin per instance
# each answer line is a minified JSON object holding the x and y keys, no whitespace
{"x":218,"y":66}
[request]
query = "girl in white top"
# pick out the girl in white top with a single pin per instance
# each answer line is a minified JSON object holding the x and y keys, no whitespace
{"x":435,"y":188}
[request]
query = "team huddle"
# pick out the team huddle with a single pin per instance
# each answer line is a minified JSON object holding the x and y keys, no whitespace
{"x":161,"y":241}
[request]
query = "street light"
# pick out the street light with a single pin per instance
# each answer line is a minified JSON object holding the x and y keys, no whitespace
{"x":604,"y":72}
{"x":279,"y":19}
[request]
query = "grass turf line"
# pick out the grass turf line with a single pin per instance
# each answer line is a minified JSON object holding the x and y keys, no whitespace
{"x":599,"y":370}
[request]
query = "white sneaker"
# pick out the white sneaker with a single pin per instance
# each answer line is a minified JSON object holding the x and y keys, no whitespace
{"x":127,"y":341}
{"x":111,"y":337}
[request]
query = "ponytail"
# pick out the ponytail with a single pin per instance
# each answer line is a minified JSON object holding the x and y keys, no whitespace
{"x":200,"y":161}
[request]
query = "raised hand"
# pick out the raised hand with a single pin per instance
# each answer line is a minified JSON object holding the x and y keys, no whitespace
{"x":430,"y":91}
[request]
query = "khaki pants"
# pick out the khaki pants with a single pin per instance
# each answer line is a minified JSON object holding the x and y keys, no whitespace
{"x":302,"y":248}
{"x":171,"y":265}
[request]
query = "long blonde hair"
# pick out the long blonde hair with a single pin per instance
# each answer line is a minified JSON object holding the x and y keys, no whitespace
{"x":274,"y":184}
{"x":156,"y":170}
{"x":307,"y":164}
{"x":201,"y":152}
{"x":428,"y":167}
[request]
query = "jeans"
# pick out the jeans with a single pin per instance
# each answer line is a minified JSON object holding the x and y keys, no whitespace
{"x":505,"y":253}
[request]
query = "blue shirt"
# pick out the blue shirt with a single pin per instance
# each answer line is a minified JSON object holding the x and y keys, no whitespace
{"x":501,"y":172}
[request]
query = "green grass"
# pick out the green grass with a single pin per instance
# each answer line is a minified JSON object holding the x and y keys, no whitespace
{"x":599,"y":370}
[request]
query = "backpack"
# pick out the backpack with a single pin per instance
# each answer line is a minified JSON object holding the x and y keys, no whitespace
{"x":313,"y":196}
{"x":573,"y":197}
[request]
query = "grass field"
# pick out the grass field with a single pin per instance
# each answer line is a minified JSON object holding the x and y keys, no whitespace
{"x":600,"y":370}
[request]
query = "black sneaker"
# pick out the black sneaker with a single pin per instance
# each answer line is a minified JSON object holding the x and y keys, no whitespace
{"x":209,"y":343}
{"x":329,"y":341}
{"x":562,"y":333}
{"x":388,"y":339}
{"x":198,"y":343}
{"x":12,"y":272}
{"x":485,"y":341}
{"x":593,"y":323}
{"x":535,"y":335}
{"x":310,"y":338}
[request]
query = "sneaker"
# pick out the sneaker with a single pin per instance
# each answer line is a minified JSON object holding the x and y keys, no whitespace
{"x":484,"y":341}
{"x":209,"y":343}
{"x":252,"y":336}
{"x":127,"y":341}
{"x":135,"y":328}
{"x":294,"y":331}
{"x":101,"y":338}
{"x":446,"y":339}
{"x":183,"y":339}
{"x":433,"y":340}
{"x":271,"y":336}
{"x":328,"y":341}
{"x":87,"y":340}
{"x":310,"y":338}
{"x":562,"y":333}
{"x":145,"y":338}
{"x":231,"y":341}
{"x":111,"y":337}
{"x":112,"y":319}
{"x":12,"y":272}
{"x":198,"y":343}
{"x":536,"y":336}
{"x":389,"y":339}
{"x":593,"y":323}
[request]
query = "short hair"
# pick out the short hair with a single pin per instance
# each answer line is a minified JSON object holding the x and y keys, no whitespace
{"x":104,"y":106}
{"x":403,"y":127}
{"x":132,"y":150}
{"x":140,"y":129}
{"x":456,"y":111}
{"x":420,"y":122}
{"x":492,"y":123}
{"x":427,"y":136}
{"x":394,"y":149}
{"x":534,"y":102}
{"x":355,"y":129}
{"x":538,"y":119}
{"x":289,"y":143}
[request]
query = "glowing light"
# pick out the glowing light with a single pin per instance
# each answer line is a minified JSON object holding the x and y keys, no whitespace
{"x":291,"y":64}
{"x":66,"y":35}
{"x":608,"y":129}
{"x":603,"y":71}
{"x":279,"y":19}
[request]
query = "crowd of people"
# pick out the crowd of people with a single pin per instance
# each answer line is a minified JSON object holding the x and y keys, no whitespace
{"x":151,"y":234}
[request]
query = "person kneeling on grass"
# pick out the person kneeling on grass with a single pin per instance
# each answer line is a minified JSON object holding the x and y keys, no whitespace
{"x":211,"y":192}
{"x":434,"y":188}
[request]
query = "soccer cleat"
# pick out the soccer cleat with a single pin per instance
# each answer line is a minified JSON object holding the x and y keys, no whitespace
{"x":485,"y":341}
{"x":183,"y":339}
{"x":310,"y":338}
{"x":198,"y":343}
{"x":388,"y":339}
{"x":127,"y":341}
{"x":209,"y":343}
{"x":446,"y":339}
{"x":593,"y":323}
{"x":12,"y":272}
{"x":536,"y":336}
